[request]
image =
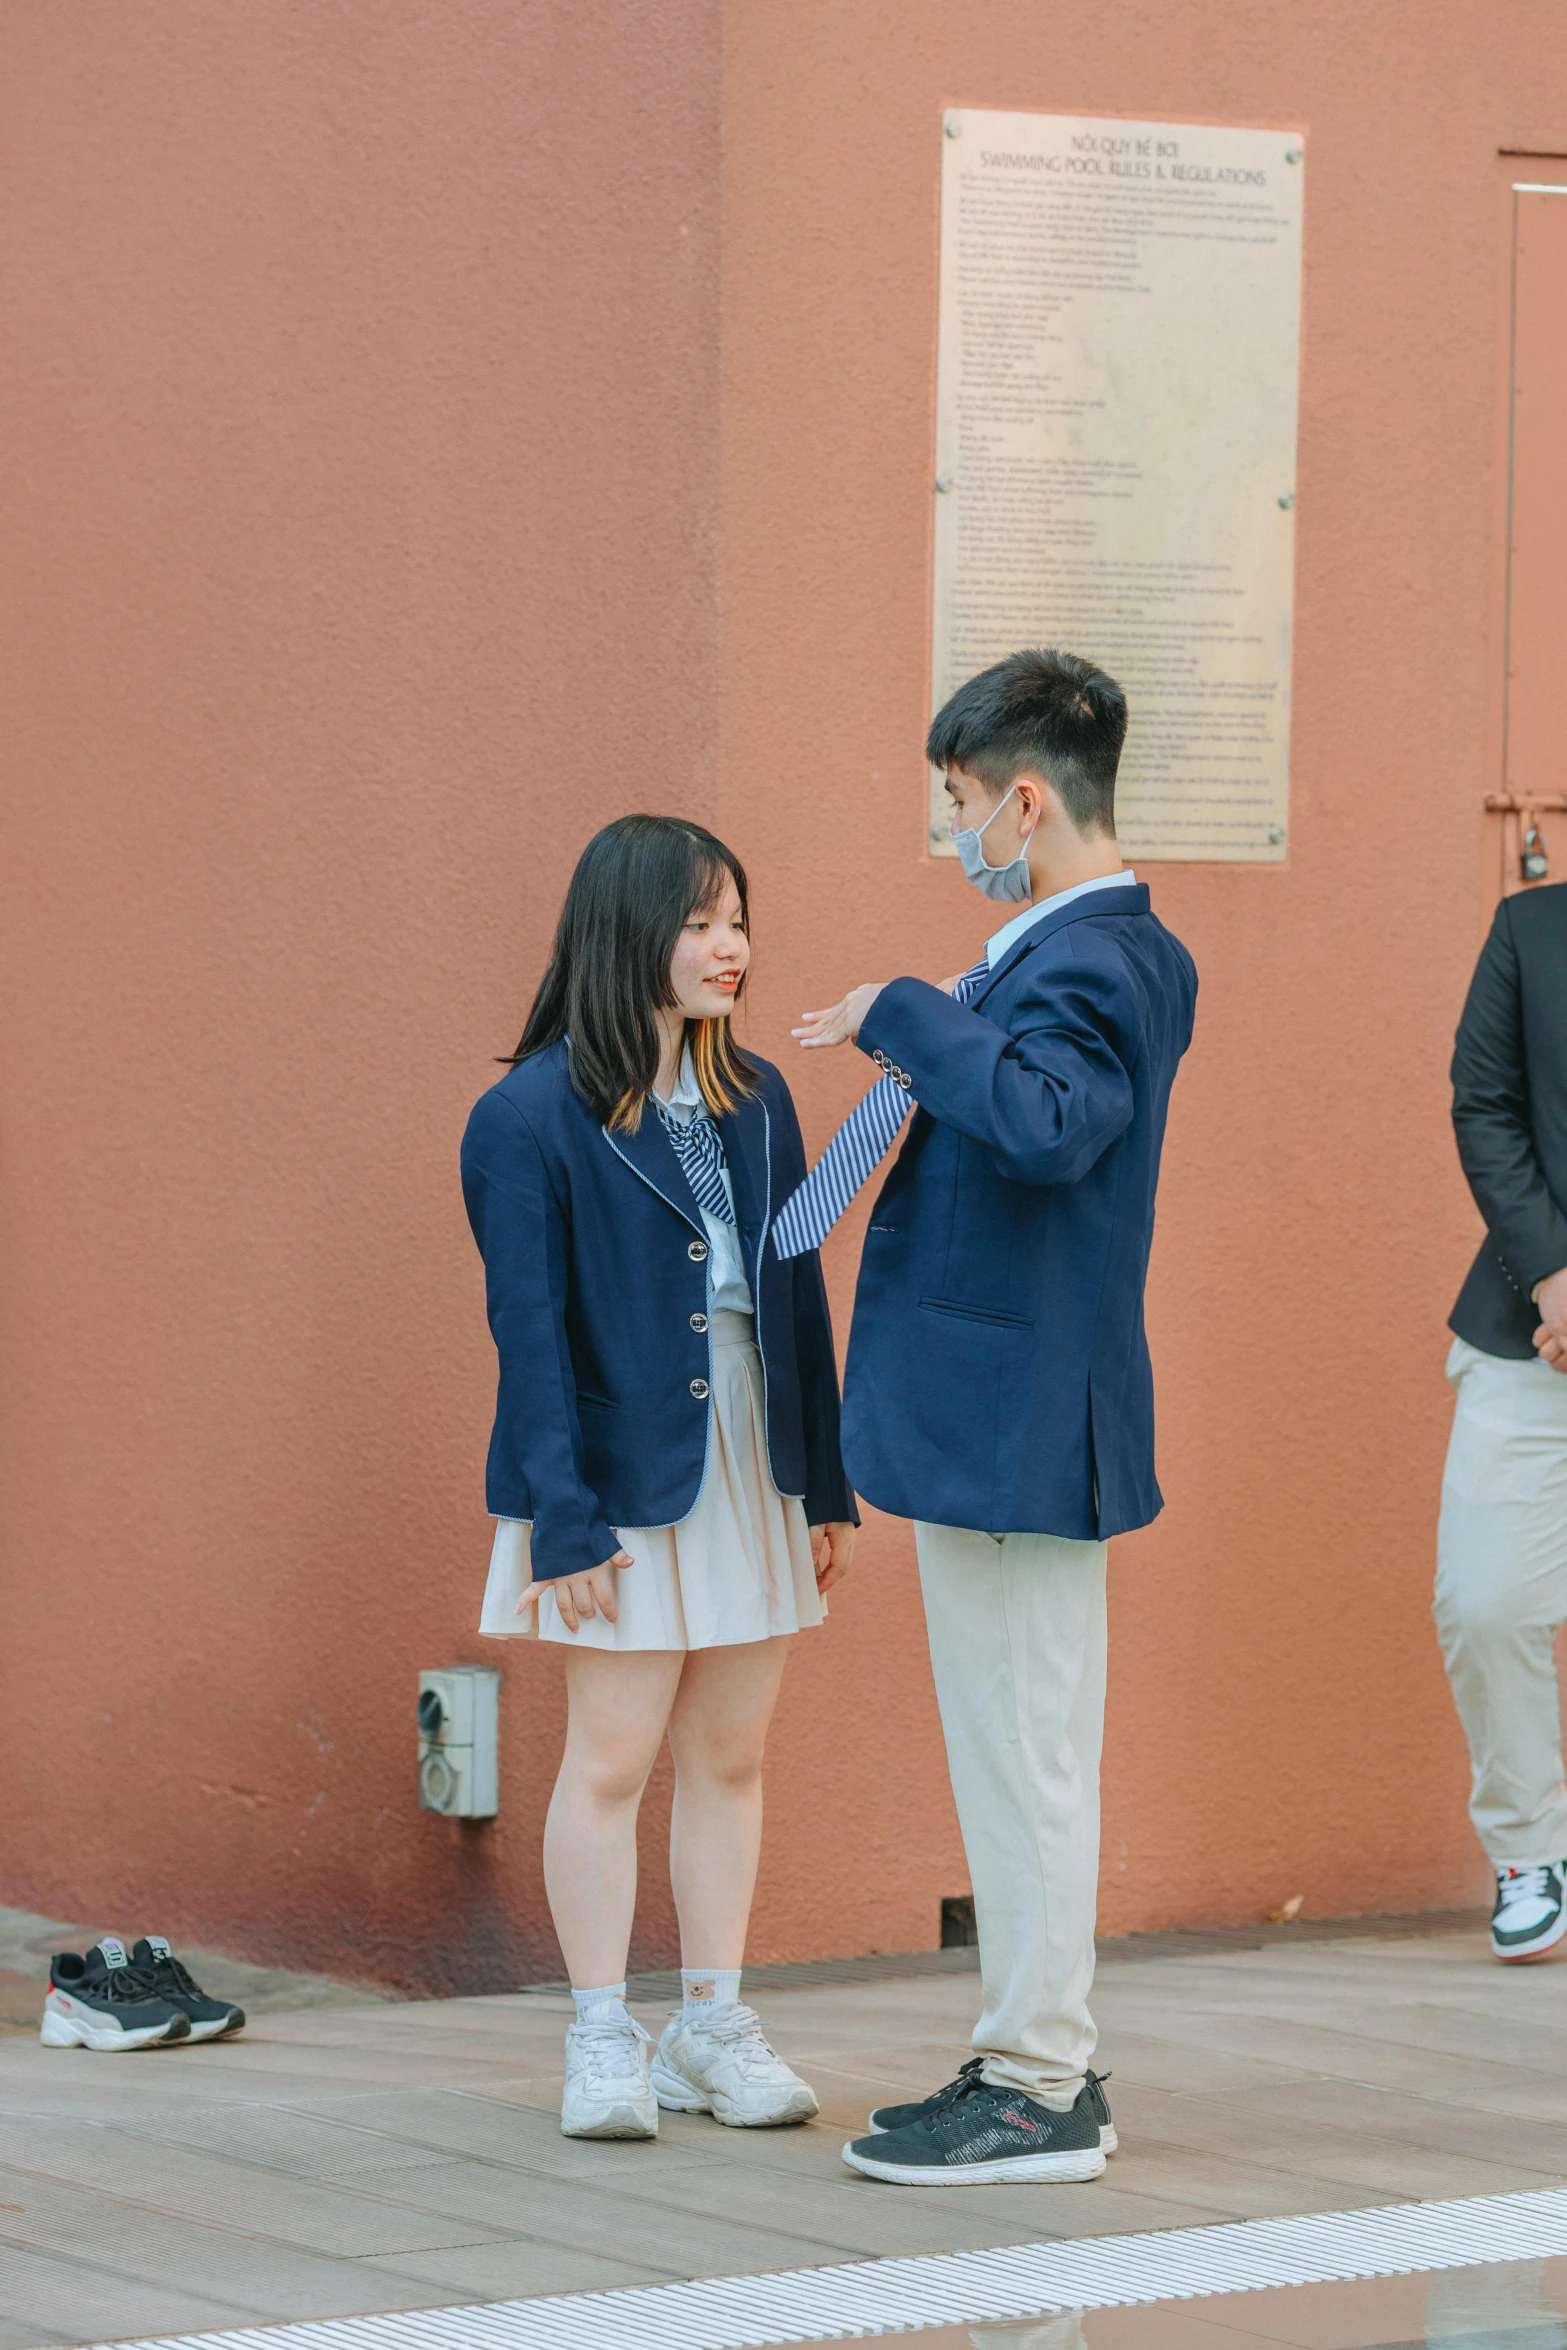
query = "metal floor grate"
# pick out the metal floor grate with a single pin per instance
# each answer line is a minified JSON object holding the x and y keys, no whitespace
{"x":866,"y":2298}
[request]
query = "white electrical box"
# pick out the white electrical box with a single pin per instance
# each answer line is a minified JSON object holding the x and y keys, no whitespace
{"x":458,"y":1716}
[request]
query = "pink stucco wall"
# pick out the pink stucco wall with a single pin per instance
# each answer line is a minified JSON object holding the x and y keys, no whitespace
{"x":426,"y":434}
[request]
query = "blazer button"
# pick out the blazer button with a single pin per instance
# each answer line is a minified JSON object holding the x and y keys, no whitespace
{"x":699,"y":1321}
{"x":696,"y":1250}
{"x":699,"y":1390}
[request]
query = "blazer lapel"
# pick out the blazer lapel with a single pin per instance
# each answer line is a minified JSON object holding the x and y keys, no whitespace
{"x":650,"y":1154}
{"x":747,"y":1140}
{"x":1122,"y":900}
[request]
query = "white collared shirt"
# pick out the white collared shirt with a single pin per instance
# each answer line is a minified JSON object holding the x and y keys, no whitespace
{"x":1010,"y":932}
{"x":731,"y":1292}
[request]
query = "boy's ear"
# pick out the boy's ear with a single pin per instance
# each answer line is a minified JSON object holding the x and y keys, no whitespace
{"x":1038,"y":796}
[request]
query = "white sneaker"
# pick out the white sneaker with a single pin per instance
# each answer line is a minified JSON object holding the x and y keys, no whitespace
{"x":607,"y":2093}
{"x":724,"y":2067}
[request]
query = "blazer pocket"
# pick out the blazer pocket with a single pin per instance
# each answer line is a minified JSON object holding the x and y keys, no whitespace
{"x":597,"y":1403}
{"x":965,"y":1313}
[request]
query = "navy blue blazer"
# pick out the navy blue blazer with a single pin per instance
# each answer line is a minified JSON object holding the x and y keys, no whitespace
{"x":998,"y":1373}
{"x":597,"y":1270}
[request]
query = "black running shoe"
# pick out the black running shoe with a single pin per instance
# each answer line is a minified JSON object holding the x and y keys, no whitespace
{"x":1529,"y":1917}
{"x":983,"y":2136}
{"x":103,"y":2001}
{"x":210,"y":2019}
{"x":898,"y":2117}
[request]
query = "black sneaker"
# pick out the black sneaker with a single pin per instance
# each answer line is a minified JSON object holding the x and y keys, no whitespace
{"x":103,"y":2001}
{"x":210,"y":2019}
{"x":898,"y":2117}
{"x":983,"y":2136}
{"x":1529,"y":1916}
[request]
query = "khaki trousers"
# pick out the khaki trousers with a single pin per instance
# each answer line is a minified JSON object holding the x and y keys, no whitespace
{"x":1017,"y":1647}
{"x":1501,"y":1596}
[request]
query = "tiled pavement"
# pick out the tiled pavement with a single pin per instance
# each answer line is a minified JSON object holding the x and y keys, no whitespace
{"x":395,"y":2156}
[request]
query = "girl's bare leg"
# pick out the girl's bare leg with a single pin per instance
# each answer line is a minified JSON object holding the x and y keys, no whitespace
{"x":617,"y":1710}
{"x":717,"y":1730}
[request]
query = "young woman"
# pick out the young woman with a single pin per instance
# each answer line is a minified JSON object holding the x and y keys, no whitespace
{"x":664,"y":1466}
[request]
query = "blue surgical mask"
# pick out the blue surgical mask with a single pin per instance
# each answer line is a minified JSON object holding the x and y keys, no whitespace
{"x":1010,"y":884}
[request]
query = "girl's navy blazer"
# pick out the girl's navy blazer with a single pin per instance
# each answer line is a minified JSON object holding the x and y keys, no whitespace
{"x":597,"y":1268}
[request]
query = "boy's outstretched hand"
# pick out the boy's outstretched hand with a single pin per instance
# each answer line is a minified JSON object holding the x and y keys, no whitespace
{"x":841,"y":1024}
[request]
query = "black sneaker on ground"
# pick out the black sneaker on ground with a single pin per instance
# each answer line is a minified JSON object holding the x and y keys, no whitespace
{"x":103,"y":2001}
{"x":981,"y":2136}
{"x":1529,"y":1916}
{"x":898,"y":2117}
{"x":210,"y":2019}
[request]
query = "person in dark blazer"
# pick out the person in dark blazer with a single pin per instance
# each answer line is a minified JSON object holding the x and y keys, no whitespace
{"x":1501,"y":1585}
{"x":998,"y":1389}
{"x":664,"y":1467}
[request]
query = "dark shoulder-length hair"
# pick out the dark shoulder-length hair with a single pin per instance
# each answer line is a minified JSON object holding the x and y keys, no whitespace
{"x":637,"y":884}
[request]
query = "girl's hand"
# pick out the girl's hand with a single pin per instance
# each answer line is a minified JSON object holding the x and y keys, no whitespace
{"x":840,"y":1024}
{"x":592,"y":1593}
{"x":832,"y":1547}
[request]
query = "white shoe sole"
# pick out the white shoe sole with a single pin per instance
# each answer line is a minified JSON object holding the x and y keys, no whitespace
{"x":676,"y":2095}
{"x":1109,"y":2143}
{"x":70,"y":2031}
{"x":216,"y":2031}
{"x":1013,"y":2170}
{"x":627,"y":2118}
{"x":1536,"y":1949}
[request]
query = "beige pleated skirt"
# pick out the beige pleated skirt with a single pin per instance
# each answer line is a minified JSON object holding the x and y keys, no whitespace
{"x":738,"y":1568}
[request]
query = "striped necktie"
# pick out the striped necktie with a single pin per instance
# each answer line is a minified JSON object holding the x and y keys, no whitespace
{"x":854,"y":1153}
{"x":700,"y":1150}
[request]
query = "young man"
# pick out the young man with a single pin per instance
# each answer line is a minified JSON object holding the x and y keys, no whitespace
{"x":1501,"y":1579}
{"x":998,"y":1388}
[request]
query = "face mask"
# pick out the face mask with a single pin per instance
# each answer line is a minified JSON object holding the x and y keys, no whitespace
{"x":1010,"y":884}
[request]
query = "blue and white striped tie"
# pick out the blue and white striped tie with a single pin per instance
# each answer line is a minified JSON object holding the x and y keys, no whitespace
{"x":854,"y":1153}
{"x":700,"y":1150}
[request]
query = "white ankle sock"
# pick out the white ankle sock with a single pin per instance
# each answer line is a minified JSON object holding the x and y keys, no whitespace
{"x":604,"y":2006}
{"x":702,"y":1988}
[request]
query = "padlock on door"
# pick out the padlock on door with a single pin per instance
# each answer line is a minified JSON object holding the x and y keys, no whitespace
{"x":1536,"y":861}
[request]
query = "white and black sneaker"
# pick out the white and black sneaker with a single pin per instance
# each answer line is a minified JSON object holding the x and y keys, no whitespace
{"x":1529,"y":1916}
{"x":898,"y":2117}
{"x":983,"y":2136}
{"x":210,"y":2019}
{"x":103,"y":2001}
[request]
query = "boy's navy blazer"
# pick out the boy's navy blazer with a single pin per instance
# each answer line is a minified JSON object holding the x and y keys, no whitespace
{"x":998,"y":1374}
{"x":597,"y":1269}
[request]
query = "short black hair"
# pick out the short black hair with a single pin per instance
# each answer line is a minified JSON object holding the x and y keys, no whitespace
{"x":1041,"y":710}
{"x":637,"y":884}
